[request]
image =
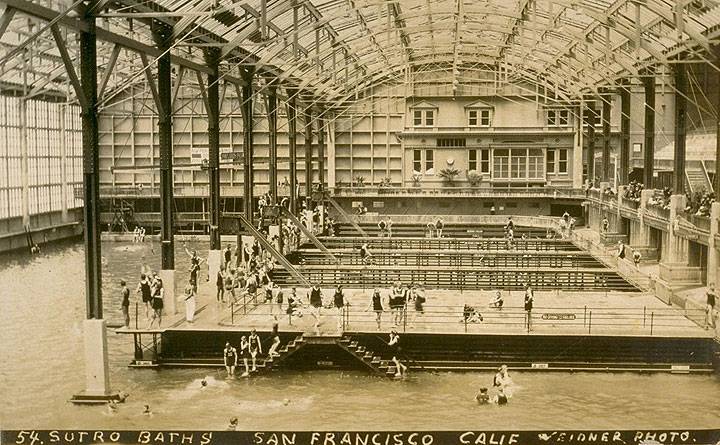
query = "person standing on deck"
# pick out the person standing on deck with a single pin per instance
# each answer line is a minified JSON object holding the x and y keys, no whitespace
{"x":339,"y":304}
{"x":389,"y":227}
{"x":315,"y":299}
{"x":190,"y":303}
{"x":605,"y":225}
{"x":220,"y":284}
{"x":255,"y":348}
{"x":529,"y":297}
{"x":376,"y":306}
{"x":244,"y":353}
{"x":621,"y":250}
{"x":431,"y":229}
{"x":157,"y":301}
{"x":145,"y":292}
{"x":710,"y":307}
{"x":230,"y":356}
{"x":125,"y":294}
{"x":195,"y":262}
{"x":439,"y":225}
{"x":227,"y":253}
{"x":365,"y":255}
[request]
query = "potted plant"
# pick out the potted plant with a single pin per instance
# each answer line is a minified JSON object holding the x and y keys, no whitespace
{"x":416,"y":178}
{"x":448,"y":175}
{"x":474,"y":178}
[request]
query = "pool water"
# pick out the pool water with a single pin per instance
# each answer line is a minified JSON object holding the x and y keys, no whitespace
{"x":41,"y":351}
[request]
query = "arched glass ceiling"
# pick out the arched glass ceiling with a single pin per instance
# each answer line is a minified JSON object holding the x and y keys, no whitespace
{"x":334,"y":48}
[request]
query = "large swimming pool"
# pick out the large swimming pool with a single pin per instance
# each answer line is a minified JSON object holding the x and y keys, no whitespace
{"x":42,"y":306}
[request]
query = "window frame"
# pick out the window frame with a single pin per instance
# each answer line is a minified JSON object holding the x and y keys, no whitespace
{"x":425,"y":117}
{"x":557,"y":118}
{"x":481,"y":114}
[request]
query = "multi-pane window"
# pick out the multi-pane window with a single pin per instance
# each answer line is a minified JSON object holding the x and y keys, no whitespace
{"x":451,"y":142}
{"x":472,"y":159}
{"x":562,"y":160}
{"x":557,"y":161}
{"x":423,"y":161}
{"x":501,"y":163}
{"x":558,"y":118}
{"x":417,"y":161}
{"x":535,"y":164}
{"x":423,"y":118}
{"x":429,"y":162}
{"x":479,"y":117}
{"x":518,"y":163}
{"x":485,"y":161}
{"x":596,"y":111}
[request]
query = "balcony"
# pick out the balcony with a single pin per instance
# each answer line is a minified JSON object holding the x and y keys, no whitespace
{"x":659,"y":213}
{"x":486,"y":192}
{"x":631,"y":203}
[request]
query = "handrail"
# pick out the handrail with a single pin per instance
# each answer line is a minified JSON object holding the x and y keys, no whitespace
{"x":346,"y":216}
{"x":275,"y":254}
{"x":308,"y":233}
{"x":557,"y":192}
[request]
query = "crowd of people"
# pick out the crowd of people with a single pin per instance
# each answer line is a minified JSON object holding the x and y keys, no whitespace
{"x":661,"y":200}
{"x":699,"y":203}
{"x":633,"y":191}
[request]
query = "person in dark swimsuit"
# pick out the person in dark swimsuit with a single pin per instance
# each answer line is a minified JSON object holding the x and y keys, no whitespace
{"x":394,"y":345}
{"x":243,"y":354}
{"x":195,"y":262}
{"x":227,"y":254}
{"x":125,"y":306}
{"x":315,"y":298}
{"x":144,"y":290}
{"x":230,"y":357}
{"x":529,"y":297}
{"x":377,"y":307}
{"x":157,"y":302}
{"x":339,"y":303}
{"x":439,"y":225}
{"x":220,"y":284}
{"x":254,"y":347}
{"x":501,"y":398}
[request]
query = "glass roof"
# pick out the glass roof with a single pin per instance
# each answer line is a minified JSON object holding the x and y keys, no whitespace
{"x":332,"y":49}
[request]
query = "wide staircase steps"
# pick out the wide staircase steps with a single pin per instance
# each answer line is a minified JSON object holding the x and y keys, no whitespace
{"x":370,"y":359}
{"x":697,"y":178}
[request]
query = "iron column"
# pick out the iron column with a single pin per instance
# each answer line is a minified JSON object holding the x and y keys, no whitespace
{"x":321,"y":151}
{"x":212,"y":58}
{"x":606,"y":137}
{"x":162,"y":35}
{"x":591,"y":143}
{"x":625,"y":132}
{"x":680,"y":118}
{"x":292,"y":146}
{"x":91,"y":172}
{"x":247,"y":73}
{"x":308,"y":151}
{"x":272,"y":129}
{"x":649,"y":148}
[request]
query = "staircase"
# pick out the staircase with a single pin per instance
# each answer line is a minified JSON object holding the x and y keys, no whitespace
{"x":370,"y":359}
{"x":264,"y":365}
{"x":696,"y":176}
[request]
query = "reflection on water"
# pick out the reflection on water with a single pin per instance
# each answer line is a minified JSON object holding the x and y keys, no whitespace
{"x":41,"y":352}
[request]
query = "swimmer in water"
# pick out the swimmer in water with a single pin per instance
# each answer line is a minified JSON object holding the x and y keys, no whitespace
{"x":203,"y":383}
{"x":501,"y":398}
{"x":482,"y":397}
{"x":146,"y":410}
{"x":112,"y":407}
{"x":502,"y":378}
{"x":233,"y":424}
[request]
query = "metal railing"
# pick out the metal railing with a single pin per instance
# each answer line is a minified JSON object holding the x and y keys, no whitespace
{"x":521,"y":192}
{"x":482,"y":319}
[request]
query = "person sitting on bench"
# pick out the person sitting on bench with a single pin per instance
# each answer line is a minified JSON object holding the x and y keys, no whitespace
{"x":471,"y":315}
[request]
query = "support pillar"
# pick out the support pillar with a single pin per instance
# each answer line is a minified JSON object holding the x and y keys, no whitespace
{"x":162,"y":35}
{"x":24,"y":166}
{"x":716,"y":180}
{"x":680,"y":119}
{"x":321,"y":151}
{"x":97,"y":381}
{"x":640,"y":232}
{"x":713,"y":260}
{"x":272,"y":130}
{"x":212,"y":57}
{"x":674,"y":268}
{"x":591,"y":143}
{"x":649,"y":148}
{"x":577,"y":166}
{"x":247,"y":115}
{"x":308,"y":151}
{"x":331,"y":153}
{"x":625,"y":132}
{"x":606,"y":139}
{"x":292,"y":146}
